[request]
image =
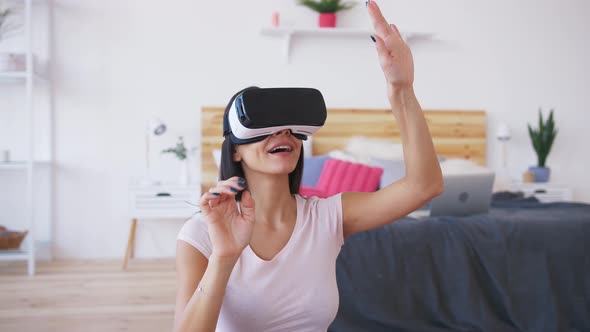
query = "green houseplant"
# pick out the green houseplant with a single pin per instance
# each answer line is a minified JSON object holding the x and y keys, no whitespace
{"x":9,"y":25}
{"x":181,"y":153}
{"x":9,"y":20}
{"x":179,"y":150}
{"x":542,"y":139}
{"x":5,"y":13}
{"x":327,"y":10}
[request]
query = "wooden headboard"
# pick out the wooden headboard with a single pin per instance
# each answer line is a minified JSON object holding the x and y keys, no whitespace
{"x":456,"y":134}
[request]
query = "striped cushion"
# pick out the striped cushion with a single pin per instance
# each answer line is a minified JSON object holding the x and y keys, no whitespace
{"x":306,"y":191}
{"x":341,"y":176}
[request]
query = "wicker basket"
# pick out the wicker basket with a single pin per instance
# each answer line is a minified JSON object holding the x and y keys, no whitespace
{"x":11,"y":240}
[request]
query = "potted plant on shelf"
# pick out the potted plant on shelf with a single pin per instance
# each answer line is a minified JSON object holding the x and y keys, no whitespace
{"x":327,"y":10}
{"x":181,"y":153}
{"x":542,"y":139}
{"x":8,"y":25}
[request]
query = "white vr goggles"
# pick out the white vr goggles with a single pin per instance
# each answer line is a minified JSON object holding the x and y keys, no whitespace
{"x":257,"y":113}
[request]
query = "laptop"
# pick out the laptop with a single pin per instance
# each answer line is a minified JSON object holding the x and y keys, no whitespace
{"x":464,"y":195}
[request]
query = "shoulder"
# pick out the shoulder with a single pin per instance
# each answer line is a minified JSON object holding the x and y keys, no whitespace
{"x":324,"y":214}
{"x":194,"y":232}
{"x":194,"y":224}
{"x":322,"y":204}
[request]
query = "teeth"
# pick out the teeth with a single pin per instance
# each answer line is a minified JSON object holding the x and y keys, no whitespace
{"x":282,"y":147}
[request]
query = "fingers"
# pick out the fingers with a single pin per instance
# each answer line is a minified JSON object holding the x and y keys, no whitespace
{"x":380,"y":24}
{"x":247,"y":205}
{"x":382,"y":28}
{"x":382,"y":51}
{"x":230,"y":186}
{"x":205,"y":201}
{"x":395,"y":30}
{"x":223,"y":191}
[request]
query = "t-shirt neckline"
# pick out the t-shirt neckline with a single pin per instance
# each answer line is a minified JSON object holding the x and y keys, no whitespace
{"x":289,"y":242}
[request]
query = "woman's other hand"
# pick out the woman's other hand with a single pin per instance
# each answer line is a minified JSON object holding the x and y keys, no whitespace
{"x":394,"y":54}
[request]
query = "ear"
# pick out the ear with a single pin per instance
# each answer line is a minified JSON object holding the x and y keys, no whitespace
{"x":236,"y":157}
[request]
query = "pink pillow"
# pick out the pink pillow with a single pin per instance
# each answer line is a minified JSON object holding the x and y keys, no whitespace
{"x":340,"y":176}
{"x":306,"y":191}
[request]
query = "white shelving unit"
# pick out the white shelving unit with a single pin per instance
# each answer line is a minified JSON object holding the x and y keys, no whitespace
{"x":545,"y":192}
{"x":13,"y":75}
{"x":26,"y":78}
{"x":289,"y":33}
{"x":18,"y":76}
{"x":21,"y":165}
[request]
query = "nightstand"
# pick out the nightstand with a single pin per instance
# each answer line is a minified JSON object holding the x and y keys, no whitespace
{"x":167,"y":201}
{"x":545,"y":192}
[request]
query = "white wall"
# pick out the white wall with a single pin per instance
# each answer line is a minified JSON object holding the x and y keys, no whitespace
{"x":116,"y":63}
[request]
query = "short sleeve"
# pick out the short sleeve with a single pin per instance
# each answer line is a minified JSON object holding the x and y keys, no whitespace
{"x":332,"y":210}
{"x":194,"y":232}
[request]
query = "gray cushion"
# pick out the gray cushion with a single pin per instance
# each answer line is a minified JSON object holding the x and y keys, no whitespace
{"x":312,"y":169}
{"x":393,"y":170}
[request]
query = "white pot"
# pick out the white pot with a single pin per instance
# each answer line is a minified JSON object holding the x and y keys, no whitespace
{"x":184,"y":177}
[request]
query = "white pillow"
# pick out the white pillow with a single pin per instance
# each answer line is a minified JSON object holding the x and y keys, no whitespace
{"x":217,"y":158}
{"x":307,"y":147}
{"x":462,"y":166}
{"x":343,"y":155}
{"x":365,"y":148}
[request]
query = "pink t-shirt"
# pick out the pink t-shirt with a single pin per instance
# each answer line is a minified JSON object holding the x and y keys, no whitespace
{"x":296,"y":290}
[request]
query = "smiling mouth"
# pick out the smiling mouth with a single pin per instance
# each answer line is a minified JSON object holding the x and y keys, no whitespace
{"x":280,"y":149}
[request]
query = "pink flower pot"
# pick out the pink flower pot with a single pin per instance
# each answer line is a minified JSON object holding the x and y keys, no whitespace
{"x":327,"y":20}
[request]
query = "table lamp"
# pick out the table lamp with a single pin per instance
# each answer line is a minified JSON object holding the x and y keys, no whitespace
{"x":503,"y":181}
{"x":154,"y":127}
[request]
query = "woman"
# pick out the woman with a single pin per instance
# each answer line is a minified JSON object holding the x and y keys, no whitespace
{"x":269,"y":263}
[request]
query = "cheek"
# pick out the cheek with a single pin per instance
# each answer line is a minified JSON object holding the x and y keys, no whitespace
{"x":240,"y":152}
{"x":249,"y":153}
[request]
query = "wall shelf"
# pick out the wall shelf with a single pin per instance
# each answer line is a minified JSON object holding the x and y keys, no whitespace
{"x":21,"y":165}
{"x":13,"y":75}
{"x":14,"y":255}
{"x":18,"y":76}
{"x":289,"y":33}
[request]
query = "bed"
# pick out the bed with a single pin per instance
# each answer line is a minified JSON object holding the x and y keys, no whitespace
{"x":524,"y":266}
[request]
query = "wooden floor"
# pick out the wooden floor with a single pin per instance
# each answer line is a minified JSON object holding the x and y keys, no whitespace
{"x":67,"y":296}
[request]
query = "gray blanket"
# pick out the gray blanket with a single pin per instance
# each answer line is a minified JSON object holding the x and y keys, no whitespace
{"x":524,"y":266}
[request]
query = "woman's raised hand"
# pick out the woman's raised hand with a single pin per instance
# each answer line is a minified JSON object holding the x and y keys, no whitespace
{"x":394,"y":54}
{"x":229,"y":230}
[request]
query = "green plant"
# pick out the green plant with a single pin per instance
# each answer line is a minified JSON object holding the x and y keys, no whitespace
{"x":326,"y":6}
{"x":543,"y":137}
{"x":7,"y":22}
{"x":4,"y":16}
{"x":179,"y":150}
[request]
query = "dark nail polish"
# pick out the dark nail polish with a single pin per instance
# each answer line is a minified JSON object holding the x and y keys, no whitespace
{"x":215,"y":194}
{"x":374,"y":40}
{"x":242,"y":185}
{"x":241,"y":179}
{"x":233,"y":190}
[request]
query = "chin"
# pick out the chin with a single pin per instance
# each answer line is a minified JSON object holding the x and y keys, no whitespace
{"x":278,"y":168}
{"x":273,"y":166}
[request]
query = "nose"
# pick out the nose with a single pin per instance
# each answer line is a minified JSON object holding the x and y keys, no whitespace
{"x":283,"y":132}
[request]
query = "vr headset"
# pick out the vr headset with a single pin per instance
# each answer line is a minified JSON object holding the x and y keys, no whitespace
{"x":258,"y":113}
